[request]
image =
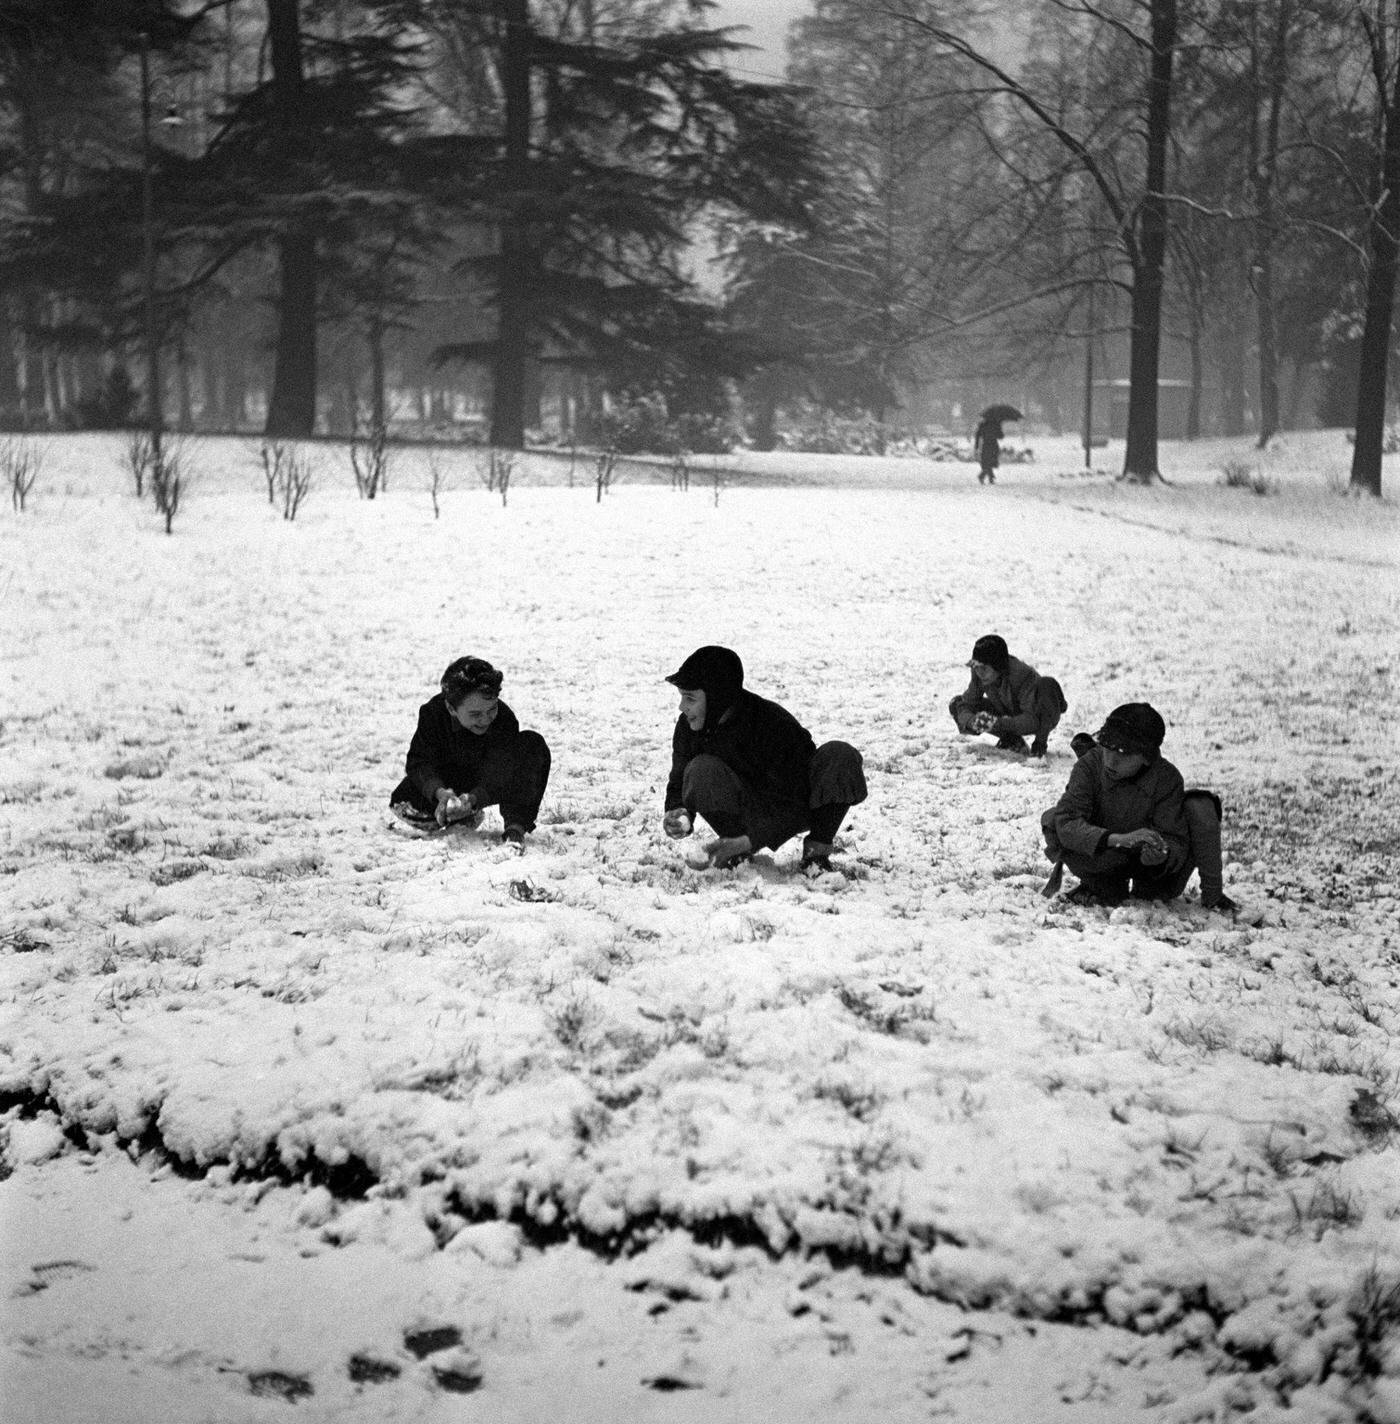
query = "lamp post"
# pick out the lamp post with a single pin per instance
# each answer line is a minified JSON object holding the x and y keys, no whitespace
{"x":154,"y":413}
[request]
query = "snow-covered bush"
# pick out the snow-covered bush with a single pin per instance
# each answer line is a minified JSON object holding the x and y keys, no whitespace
{"x":644,"y":425}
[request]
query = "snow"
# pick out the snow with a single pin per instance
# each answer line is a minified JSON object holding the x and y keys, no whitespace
{"x":285,"y":1091}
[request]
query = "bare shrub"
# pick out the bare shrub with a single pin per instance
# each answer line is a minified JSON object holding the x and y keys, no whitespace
{"x":1240,"y":474}
{"x":435,"y":481}
{"x":20,"y":464}
{"x":1374,"y":1312}
{"x":605,"y":462}
{"x":1205,"y":1034}
{"x":369,"y":459}
{"x":486,"y":469}
{"x":504,"y":463}
{"x":170,"y":473}
{"x":494,"y":468}
{"x":140,"y":456}
{"x":572,"y":1021}
{"x":680,"y":469}
{"x":288,"y":474}
{"x":1325,"y":1209}
{"x":271,"y":456}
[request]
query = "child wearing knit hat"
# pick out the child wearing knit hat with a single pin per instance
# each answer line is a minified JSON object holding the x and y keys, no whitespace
{"x":1007,"y":698}
{"x":1126,"y":824}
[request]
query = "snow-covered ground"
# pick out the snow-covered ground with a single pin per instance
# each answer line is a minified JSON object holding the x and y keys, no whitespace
{"x":303,"y":1118}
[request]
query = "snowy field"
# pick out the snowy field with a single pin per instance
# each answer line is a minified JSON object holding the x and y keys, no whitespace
{"x":303,"y":1119}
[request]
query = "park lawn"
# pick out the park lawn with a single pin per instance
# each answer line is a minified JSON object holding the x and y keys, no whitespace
{"x":300,"y":1111}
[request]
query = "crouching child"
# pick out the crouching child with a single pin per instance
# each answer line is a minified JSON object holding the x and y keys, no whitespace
{"x":1007,"y":698}
{"x":752,"y":770}
{"x":1127,"y":826}
{"x":468,"y":752}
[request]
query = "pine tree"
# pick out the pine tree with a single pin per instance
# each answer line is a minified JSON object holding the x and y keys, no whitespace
{"x":315,"y":162}
{"x":68,"y":122}
{"x":610,"y":145}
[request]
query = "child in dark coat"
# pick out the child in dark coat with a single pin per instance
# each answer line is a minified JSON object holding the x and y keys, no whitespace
{"x":1126,"y":825}
{"x":751,"y":769}
{"x":467,"y":753}
{"x":1008,"y":698}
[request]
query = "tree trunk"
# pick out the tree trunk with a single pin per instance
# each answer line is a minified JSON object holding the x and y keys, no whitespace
{"x":1268,"y":348}
{"x":291,"y":409}
{"x":1198,"y":378}
{"x":1144,"y":360}
{"x":49,"y":372}
{"x":764,"y":430}
{"x":1264,"y":167}
{"x":1233,"y":419}
{"x":516,"y":263}
{"x":183,"y":393}
{"x":1380,"y":307}
{"x":1297,"y":385}
{"x":9,"y":372}
{"x":377,"y":413}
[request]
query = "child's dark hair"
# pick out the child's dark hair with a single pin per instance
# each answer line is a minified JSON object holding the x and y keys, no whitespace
{"x":467,"y":675}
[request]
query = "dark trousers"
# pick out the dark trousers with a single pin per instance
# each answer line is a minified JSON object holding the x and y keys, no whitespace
{"x":713,"y":789}
{"x":1049,"y":706}
{"x":512,"y":779}
{"x":1115,"y":874}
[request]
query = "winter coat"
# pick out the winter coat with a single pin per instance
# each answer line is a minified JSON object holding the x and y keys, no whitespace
{"x":986,"y":444}
{"x":1095,"y":806}
{"x":764,"y":744}
{"x":1013,"y":699}
{"x":444,"y":754}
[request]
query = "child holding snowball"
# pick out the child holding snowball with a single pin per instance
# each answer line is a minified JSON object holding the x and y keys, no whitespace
{"x":1127,"y":825}
{"x":468,"y":752}
{"x":752,"y":770}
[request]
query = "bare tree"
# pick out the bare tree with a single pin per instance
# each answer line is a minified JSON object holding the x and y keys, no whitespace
{"x":369,"y":458}
{"x":139,"y":456}
{"x":503,"y":463}
{"x":1137,"y":212}
{"x":435,"y":479}
{"x":20,"y":464}
{"x":289,"y":475}
{"x":604,"y":463}
{"x":680,"y":468}
{"x":171,"y":469}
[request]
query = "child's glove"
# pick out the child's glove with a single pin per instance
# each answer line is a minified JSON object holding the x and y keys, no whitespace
{"x":984,"y":721}
{"x":1151,"y":846}
{"x":676,"y":823}
{"x":451,"y":807}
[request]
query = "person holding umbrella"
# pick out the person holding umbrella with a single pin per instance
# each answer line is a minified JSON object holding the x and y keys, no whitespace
{"x":986,"y":440}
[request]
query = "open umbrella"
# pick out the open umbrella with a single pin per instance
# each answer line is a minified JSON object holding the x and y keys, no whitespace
{"x":1000,"y":413}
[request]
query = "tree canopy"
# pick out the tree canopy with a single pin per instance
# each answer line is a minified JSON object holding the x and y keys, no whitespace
{"x":947,"y":198}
